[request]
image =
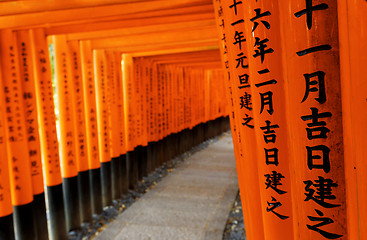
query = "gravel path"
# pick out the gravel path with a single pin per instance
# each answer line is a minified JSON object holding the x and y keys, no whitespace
{"x":233,"y":229}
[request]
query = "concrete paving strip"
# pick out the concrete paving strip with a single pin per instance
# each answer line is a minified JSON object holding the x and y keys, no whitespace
{"x":192,"y":202}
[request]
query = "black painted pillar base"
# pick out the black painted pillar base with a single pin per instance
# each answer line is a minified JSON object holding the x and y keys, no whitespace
{"x":206,"y":131}
{"x":177,"y":144}
{"x":7,"y":227}
{"x":213,"y":124}
{"x":71,"y":203}
{"x":95,"y":190}
{"x":143,"y":162}
{"x":194,"y":139}
{"x":56,"y":212}
{"x":133,"y":168}
{"x":139,"y":154}
{"x":182,"y":141}
{"x":201,"y":133}
{"x":227,"y":124}
{"x":150,"y":166}
{"x":191,"y":138}
{"x":186,"y":140}
{"x":160,"y":152}
{"x":25,"y":222}
{"x":84,"y":196}
{"x":210,"y":124}
{"x":169,"y":147}
{"x":163,"y":150}
{"x":172,"y":145}
{"x":40,"y":213}
{"x":124,"y":180}
{"x":106,"y":184}
{"x":155,"y":162}
{"x":115,"y":178}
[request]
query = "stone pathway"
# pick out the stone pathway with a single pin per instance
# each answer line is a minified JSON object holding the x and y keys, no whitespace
{"x":192,"y":202}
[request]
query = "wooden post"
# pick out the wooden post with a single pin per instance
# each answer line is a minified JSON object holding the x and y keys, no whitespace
{"x":268,"y":100}
{"x":81,"y":149}
{"x":130,"y":126}
{"x":242,"y":114}
{"x":48,"y":134}
{"x":31,"y":117}
{"x":353,"y":57}
{"x":89,"y":89}
{"x":121,"y":122}
{"x":114,"y":130}
{"x":65,"y":97}
{"x":100,"y":73}
{"x":311,"y":52}
{"x":17,"y":140}
{"x":6,"y":208}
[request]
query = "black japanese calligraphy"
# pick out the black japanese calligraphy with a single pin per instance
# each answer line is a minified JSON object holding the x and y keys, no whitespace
{"x":324,"y":164}
{"x":240,"y":60}
{"x":273,"y":205}
{"x":313,"y":49}
{"x":239,"y":38}
{"x":244,"y":78}
{"x":260,"y":15}
{"x":267,"y":100}
{"x":322,"y":191}
{"x":320,"y":75}
{"x":247,"y":121}
{"x":316,"y":126}
{"x":246,"y":101}
{"x":323,"y":221}
{"x":269,"y":134}
{"x":261,"y":48}
{"x":273,"y":180}
{"x":271,"y":156}
{"x":234,"y":6}
{"x":308,"y":11}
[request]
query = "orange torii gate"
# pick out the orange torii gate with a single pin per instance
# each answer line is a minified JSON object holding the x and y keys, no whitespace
{"x":128,"y":73}
{"x":300,"y":79}
{"x":107,"y":132}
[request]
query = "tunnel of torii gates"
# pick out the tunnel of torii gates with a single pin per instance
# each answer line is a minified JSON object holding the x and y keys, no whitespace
{"x":96,"y":94}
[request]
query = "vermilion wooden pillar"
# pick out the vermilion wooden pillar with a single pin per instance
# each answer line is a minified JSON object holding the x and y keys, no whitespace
{"x":232,"y":25}
{"x":89,"y":89}
{"x":121,"y":121}
{"x":352,"y":21}
{"x":113,"y":126}
{"x":218,"y":10}
{"x":66,"y":101}
{"x":81,"y":149}
{"x":263,"y":41}
{"x":6,"y":208}
{"x":17,"y":140}
{"x":31,"y":116}
{"x":48,"y":134}
{"x":101,"y":81}
{"x":129,"y":110}
{"x":310,"y":46}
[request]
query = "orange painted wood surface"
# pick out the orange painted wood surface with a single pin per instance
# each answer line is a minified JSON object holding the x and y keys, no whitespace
{"x":16,"y":138}
{"x":89,"y":89}
{"x":46,"y":108}
{"x":30,"y":107}
{"x":66,"y":102}
{"x":310,"y":48}
{"x":352,"y":35}
{"x":103,"y":108}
